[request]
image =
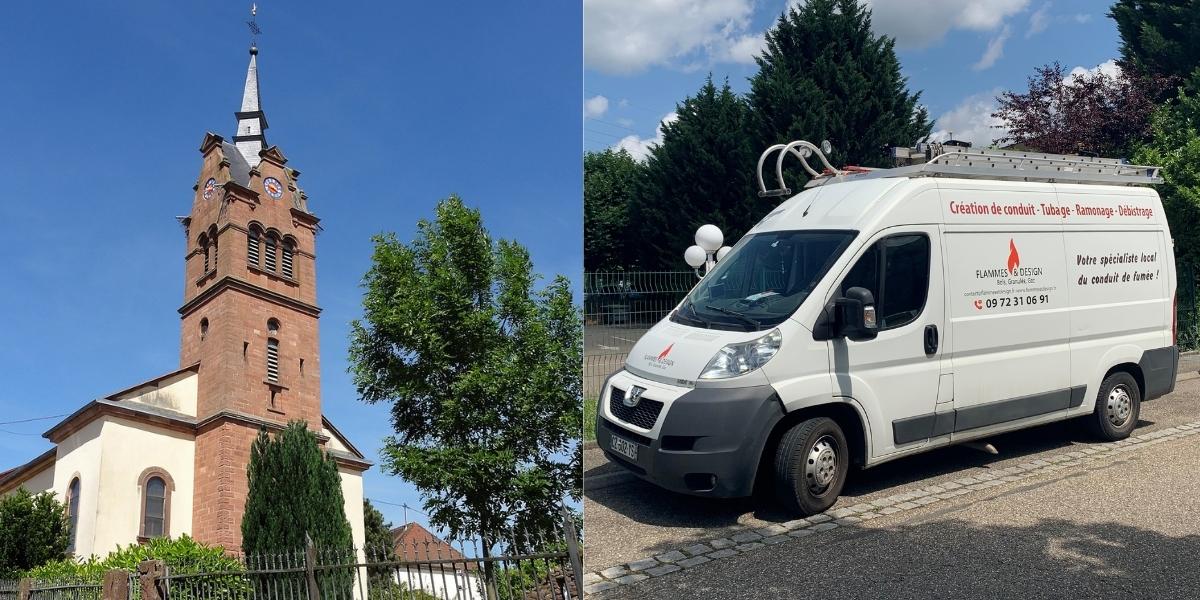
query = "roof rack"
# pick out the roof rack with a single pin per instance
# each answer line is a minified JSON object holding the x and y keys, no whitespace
{"x":943,"y":160}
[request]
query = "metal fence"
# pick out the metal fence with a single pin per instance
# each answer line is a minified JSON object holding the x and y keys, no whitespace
{"x":618,"y":307}
{"x":508,"y":566}
{"x":1187,"y":309}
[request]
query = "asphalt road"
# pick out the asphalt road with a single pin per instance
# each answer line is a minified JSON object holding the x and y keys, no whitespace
{"x":1126,"y":529}
{"x":1138,"y":517}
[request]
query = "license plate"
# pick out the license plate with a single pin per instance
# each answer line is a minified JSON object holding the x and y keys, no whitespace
{"x":624,"y":447}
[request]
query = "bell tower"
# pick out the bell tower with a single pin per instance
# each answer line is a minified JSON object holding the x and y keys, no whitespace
{"x":249,"y":314}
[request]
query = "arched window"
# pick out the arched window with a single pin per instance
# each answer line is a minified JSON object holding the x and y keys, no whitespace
{"x":156,"y":488}
{"x":252,"y":242}
{"x":212,"y":239}
{"x":272,"y":243}
{"x":288,"y":250}
{"x":203,"y":328}
{"x":273,"y":360}
{"x":203,"y":241}
{"x":72,"y":512}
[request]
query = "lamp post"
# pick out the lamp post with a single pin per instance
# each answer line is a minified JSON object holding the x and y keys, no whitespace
{"x":707,"y":251}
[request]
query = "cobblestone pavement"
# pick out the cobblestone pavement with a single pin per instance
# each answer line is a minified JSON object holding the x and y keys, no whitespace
{"x":664,"y":533}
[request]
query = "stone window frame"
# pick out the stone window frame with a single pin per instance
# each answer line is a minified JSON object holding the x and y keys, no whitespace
{"x":168,"y":490}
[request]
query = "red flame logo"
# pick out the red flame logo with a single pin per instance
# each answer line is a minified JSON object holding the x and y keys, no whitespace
{"x":666,"y":352}
{"x":1014,"y":259}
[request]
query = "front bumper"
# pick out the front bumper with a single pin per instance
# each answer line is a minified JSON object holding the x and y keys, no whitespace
{"x":706,"y":442}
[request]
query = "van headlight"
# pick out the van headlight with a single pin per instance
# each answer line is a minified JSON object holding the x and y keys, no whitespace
{"x":739,"y":359}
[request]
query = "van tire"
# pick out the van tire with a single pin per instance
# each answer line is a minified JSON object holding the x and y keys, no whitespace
{"x":811,"y":463}
{"x":1118,"y":405}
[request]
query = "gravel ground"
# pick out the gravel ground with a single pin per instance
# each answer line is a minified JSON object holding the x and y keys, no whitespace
{"x":627,"y":519}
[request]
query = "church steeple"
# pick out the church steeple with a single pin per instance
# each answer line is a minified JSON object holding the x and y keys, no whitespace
{"x":252,"y":123}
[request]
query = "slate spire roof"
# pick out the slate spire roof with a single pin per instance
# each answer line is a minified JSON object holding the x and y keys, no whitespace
{"x":252,"y":123}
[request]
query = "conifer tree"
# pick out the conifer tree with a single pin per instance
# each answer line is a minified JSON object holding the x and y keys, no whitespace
{"x":825,"y":76}
{"x":702,"y":172}
{"x":294,"y":490}
{"x":1158,"y":40}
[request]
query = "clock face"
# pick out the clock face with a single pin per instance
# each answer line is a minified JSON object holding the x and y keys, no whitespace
{"x":273,"y":187}
{"x":210,"y":188}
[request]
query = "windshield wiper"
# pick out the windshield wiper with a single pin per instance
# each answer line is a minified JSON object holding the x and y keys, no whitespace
{"x":734,"y":313}
{"x":696,"y":316}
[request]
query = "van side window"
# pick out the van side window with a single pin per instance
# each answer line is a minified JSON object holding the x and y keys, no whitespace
{"x":896,"y":271}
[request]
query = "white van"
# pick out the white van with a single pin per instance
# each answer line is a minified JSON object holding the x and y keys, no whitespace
{"x":883,"y":313}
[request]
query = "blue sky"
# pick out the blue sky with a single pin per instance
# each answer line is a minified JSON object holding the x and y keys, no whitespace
{"x":642,"y":57}
{"x":385,"y":109}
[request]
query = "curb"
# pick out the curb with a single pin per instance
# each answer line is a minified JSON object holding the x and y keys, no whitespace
{"x":750,"y":539}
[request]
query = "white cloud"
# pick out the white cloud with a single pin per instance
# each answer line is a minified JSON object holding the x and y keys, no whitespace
{"x":639,"y":147}
{"x":1081,"y":18}
{"x":628,"y":36}
{"x":921,"y":23}
{"x":972,"y":121}
{"x":1108,"y":67}
{"x":744,"y":49}
{"x":994,"y":50}
{"x":1039,"y":21}
{"x":595,"y":107}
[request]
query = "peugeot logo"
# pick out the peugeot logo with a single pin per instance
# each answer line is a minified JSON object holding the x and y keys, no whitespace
{"x":633,"y":397}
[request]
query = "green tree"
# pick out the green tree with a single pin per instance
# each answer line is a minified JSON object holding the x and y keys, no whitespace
{"x":481,"y":371}
{"x":825,"y":76}
{"x":702,"y":172}
{"x":33,"y":530}
{"x":609,"y":180}
{"x":1158,"y":38}
{"x":294,"y":490}
{"x":1175,"y":146}
{"x":380,"y":545}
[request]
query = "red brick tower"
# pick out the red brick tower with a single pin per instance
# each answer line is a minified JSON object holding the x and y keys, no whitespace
{"x":249,"y":314}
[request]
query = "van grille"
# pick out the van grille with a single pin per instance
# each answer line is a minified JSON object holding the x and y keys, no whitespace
{"x":643,"y":415}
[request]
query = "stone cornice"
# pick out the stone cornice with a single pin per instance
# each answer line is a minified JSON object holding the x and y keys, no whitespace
{"x":231,"y":282}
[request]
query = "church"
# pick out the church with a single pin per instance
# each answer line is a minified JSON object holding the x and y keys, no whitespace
{"x":168,"y":456}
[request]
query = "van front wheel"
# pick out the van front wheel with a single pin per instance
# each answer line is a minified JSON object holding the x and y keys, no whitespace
{"x":1118,"y":405}
{"x":810,"y":466}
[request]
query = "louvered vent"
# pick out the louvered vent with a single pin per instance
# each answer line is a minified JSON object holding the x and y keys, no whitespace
{"x":270,"y":258}
{"x":287,"y":259}
{"x":273,"y":361}
{"x":252,"y":248}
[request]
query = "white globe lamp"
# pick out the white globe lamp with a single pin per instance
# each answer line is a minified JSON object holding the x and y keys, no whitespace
{"x":695,"y":256}
{"x":709,"y":238}
{"x":722,"y":252}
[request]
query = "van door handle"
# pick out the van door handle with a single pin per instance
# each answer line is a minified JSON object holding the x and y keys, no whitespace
{"x":931,"y":340}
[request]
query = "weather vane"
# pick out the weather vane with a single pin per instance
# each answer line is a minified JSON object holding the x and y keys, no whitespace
{"x":253,"y":25}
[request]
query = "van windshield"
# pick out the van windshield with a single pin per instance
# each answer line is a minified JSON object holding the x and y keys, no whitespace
{"x":763,"y":280}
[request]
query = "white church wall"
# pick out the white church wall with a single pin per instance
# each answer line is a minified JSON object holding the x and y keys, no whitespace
{"x":352,"y":496}
{"x":79,"y":456}
{"x":177,"y":393}
{"x":128,"y":449}
{"x":42,"y":481}
{"x":334,"y":443}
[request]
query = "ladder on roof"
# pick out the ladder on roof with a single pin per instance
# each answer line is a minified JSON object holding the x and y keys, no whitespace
{"x":938,"y":160}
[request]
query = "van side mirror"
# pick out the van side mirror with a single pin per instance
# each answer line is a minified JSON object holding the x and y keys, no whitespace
{"x":855,"y":315}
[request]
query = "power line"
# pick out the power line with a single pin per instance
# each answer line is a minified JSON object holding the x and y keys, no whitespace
{"x":17,"y":433}
{"x":30,"y":420}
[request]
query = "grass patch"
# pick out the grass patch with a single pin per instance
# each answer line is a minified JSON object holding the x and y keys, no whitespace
{"x":589,"y":419}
